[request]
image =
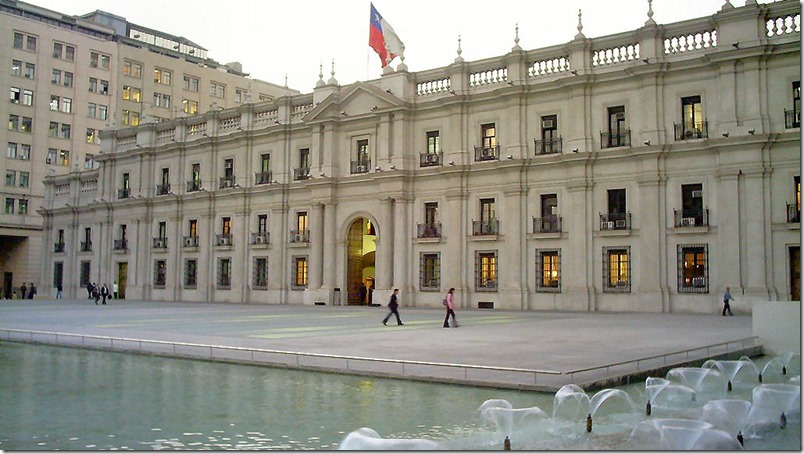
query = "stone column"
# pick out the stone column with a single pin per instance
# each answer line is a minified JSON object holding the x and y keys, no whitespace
{"x":727,"y":216}
{"x":754,"y":239}
{"x":329,"y":259}
{"x":385,"y":246}
{"x":649,"y":267}
{"x":578,"y":221}
{"x":402,"y":240}
{"x":511,"y":268}
{"x":316,"y":246}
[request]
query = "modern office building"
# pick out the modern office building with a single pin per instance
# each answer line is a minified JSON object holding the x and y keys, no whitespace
{"x":642,"y":171}
{"x":70,"y":78}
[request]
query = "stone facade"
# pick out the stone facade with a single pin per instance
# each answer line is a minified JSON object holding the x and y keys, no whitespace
{"x":642,"y":171}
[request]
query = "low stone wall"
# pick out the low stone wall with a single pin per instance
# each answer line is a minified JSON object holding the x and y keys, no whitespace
{"x":778,"y":326}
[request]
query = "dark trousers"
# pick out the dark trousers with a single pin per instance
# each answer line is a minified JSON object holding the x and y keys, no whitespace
{"x":726,"y":307}
{"x":393,"y":312}
{"x":446,"y":319}
{"x":103,"y":295}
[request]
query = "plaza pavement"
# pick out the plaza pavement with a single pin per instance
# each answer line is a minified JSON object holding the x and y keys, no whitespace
{"x":490,"y":348}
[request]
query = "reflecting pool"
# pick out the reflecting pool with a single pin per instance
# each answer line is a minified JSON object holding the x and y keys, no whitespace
{"x":56,"y":398}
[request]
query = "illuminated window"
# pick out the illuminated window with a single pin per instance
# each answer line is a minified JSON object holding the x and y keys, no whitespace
{"x":299,"y":272}
{"x":162,"y":76}
{"x":132,"y":69}
{"x":430,"y":271}
{"x":617,"y":269}
{"x":693,"y":268}
{"x":486,"y":270}
{"x":548,"y":270}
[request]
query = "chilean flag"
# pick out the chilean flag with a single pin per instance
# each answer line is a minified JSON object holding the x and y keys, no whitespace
{"x":381,"y":34}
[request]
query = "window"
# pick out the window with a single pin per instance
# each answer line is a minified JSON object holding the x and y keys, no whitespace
{"x":550,"y":142}
{"x":132,"y":93}
{"x":193,"y":228}
{"x":11,"y":151}
{"x":55,"y":77}
{"x":264,"y":174}
{"x":489,"y":135}
{"x":226,"y":225}
{"x":430,"y":271}
{"x":58,"y":274}
{"x":93,"y":136}
{"x":224,"y":273}
{"x":63,"y":51}
{"x":16,"y":68}
{"x":692,"y":206}
{"x":792,"y":118}
{"x":794,"y":209}
{"x":195,"y":174}
{"x":68,"y":79}
{"x":93,"y":85}
{"x":15,"y":95}
{"x":239,"y":94}
{"x":217,"y":90}
{"x":65,"y":131}
{"x":191,"y":83}
{"x":301,"y":220}
{"x":104,"y":87}
{"x":9,"y":206}
{"x":132,"y":69}
{"x":190,"y":107}
{"x":487,"y":225}
{"x":27,"y":97}
{"x":25,"y":152}
{"x":190,"y":273}
{"x":129,"y":117}
{"x":25,"y":179}
{"x":24,"y":41}
{"x":97,"y":60}
{"x":617,"y":217}
{"x":11,"y":178}
{"x":160,"y":273}
{"x":64,"y":158}
{"x":85,"y":272}
{"x":19,"y":39}
{"x":262,"y":223}
{"x":486,"y":270}
{"x":617,"y":134}
{"x":67,"y":105}
{"x":433,"y":142}
{"x":125,"y":186}
{"x":26,"y":125}
{"x":89,"y":161}
{"x":299,"y":274}
{"x":549,"y":221}
{"x":693,"y":268}
{"x":692,"y":124}
{"x":548,"y":270}
{"x":161,"y":100}
{"x":617,"y":269}
{"x":92,"y":110}
{"x":616,"y":201}
{"x":30,"y":70}
{"x":55,"y":103}
{"x":22,"y":206}
{"x":259,"y":275}
{"x":13,"y":122}
{"x":162,"y":76}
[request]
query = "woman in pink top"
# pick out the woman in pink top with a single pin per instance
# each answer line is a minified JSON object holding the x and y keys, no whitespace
{"x":450,"y":309}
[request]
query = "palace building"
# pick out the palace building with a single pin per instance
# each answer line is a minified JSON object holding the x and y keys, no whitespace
{"x":70,"y":77}
{"x":642,"y":171}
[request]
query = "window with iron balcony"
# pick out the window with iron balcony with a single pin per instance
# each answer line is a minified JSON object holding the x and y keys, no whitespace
{"x":792,"y":117}
{"x":485,"y":227}
{"x":693,"y":125}
{"x":228,"y":182}
{"x":428,"y":230}
{"x":615,"y":221}
{"x":300,"y":236}
{"x":262,"y":177}
{"x":547,"y":224}
{"x":58,"y":247}
{"x":223,"y":239}
{"x":360,"y":166}
{"x":191,"y":241}
{"x":86,"y":246}
{"x":691,"y":217}
{"x":259,"y":238}
{"x":163,"y":189}
{"x":194,"y":186}
{"x":160,"y":242}
{"x":301,"y":173}
{"x":120,"y":245}
{"x":123,"y":193}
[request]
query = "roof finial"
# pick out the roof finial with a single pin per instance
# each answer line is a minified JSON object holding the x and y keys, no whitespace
{"x":286,"y":80}
{"x":402,"y":66}
{"x":387,"y":69}
{"x":332,"y":80}
{"x":320,"y":82}
{"x":580,"y":27}
{"x":459,"y":59}
{"x":516,"y":38}
{"x":650,"y":20}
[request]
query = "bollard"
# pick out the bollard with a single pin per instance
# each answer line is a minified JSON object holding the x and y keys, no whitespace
{"x":647,"y":409}
{"x":507,"y":444}
{"x":589,"y":423}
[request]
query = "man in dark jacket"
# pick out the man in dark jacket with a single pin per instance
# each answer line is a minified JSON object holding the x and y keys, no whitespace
{"x":393,"y":305}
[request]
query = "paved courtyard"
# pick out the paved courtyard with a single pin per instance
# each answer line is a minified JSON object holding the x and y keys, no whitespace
{"x":555,"y":342}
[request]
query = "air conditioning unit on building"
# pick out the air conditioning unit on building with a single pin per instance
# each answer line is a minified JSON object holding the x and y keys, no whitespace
{"x":697,"y":194}
{"x":225,"y":241}
{"x":361,"y":169}
{"x":608,"y":225}
{"x":260,"y":239}
{"x":548,"y":124}
{"x":620,"y":224}
{"x":688,"y":222}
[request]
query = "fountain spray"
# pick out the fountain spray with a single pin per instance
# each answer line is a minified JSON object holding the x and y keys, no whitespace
{"x":589,"y":423}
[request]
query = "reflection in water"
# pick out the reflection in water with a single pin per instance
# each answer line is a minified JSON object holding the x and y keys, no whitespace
{"x":56,"y":398}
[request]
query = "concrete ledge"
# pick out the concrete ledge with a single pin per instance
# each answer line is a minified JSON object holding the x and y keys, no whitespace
{"x":778,"y":326}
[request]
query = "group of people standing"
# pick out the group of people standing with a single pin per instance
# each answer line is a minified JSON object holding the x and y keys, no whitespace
{"x":27,"y":292}
{"x":448,"y":302}
{"x":96,"y":293}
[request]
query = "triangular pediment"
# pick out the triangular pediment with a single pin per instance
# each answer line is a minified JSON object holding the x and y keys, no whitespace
{"x":357,"y":100}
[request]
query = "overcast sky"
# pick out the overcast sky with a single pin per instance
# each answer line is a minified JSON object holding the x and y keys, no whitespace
{"x":274,"y":38}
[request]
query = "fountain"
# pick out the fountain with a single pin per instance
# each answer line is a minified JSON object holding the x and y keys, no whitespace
{"x":729,"y":369}
{"x":366,"y":439}
{"x":728,"y":415}
{"x":662,"y":393}
{"x":681,"y":434}
{"x":697,"y":378}
{"x":772,"y":402}
{"x":571,"y":402}
{"x":782,"y":361}
{"x":501,"y":414}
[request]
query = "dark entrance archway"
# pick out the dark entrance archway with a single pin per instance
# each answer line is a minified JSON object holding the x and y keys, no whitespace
{"x":360,"y":249}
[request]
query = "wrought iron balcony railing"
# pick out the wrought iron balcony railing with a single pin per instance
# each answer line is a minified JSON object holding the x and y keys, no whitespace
{"x":262,"y":178}
{"x":190,"y":241}
{"x":793,"y":213}
{"x":223,"y":239}
{"x":615,"y":221}
{"x":360,"y":166}
{"x":301,"y":173}
{"x":685,"y":131}
{"x":487,"y":153}
{"x":547,"y":224}
{"x":120,"y":245}
{"x":615,"y":139}
{"x":547,"y":146}
{"x":194,"y":186}
{"x":228,"y":182}
{"x":58,"y":247}
{"x":432,"y":230}
{"x":86,"y":246}
{"x":160,"y":243}
{"x":691,"y":218}
{"x":123,"y":193}
{"x":485,"y":227}
{"x":299,"y":236}
{"x":162,"y":189}
{"x":792,"y":119}
{"x":429,"y":159}
{"x":259,"y":238}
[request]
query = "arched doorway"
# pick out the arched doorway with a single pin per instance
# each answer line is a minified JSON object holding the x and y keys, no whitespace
{"x":360,"y":262}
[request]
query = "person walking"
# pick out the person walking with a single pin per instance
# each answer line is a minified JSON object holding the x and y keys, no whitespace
{"x":90,"y":287}
{"x":58,"y":291}
{"x":115,"y":289}
{"x":31,"y":291}
{"x":450,"y":298}
{"x":726,"y":298}
{"x":393,"y":305}
{"x":363,"y":293}
{"x":95,"y":293}
{"x":104,"y":291}
{"x":23,"y":289}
